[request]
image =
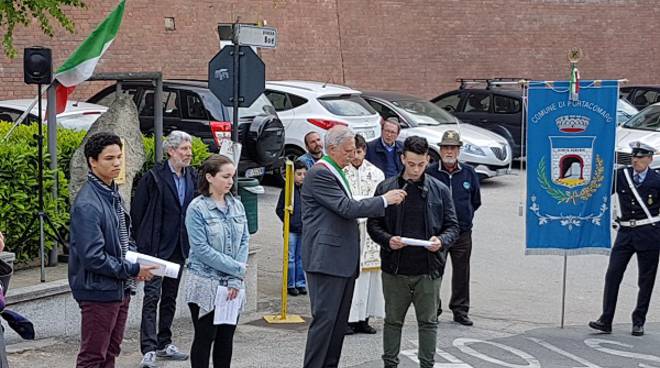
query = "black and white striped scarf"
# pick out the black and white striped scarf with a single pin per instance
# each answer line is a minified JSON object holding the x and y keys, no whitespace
{"x":121,"y":215}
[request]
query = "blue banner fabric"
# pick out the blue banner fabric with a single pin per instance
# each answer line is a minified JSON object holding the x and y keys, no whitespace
{"x":570,"y":163}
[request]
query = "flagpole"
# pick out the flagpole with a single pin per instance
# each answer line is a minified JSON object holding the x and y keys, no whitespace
{"x":563,"y":291}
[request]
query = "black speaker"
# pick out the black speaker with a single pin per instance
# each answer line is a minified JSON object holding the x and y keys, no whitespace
{"x":37,"y":65}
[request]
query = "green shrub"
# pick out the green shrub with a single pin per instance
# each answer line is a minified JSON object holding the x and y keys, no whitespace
{"x":19,"y":187}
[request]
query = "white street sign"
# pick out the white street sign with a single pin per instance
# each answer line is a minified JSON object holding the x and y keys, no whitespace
{"x":257,"y":36}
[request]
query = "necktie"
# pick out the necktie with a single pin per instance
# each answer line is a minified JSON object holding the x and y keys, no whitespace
{"x":637,"y":179}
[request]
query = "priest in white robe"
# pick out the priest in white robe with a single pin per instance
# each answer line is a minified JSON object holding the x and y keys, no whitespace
{"x":368,"y":300}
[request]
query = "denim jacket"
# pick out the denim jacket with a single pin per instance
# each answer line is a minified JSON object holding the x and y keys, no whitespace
{"x":218,"y":240}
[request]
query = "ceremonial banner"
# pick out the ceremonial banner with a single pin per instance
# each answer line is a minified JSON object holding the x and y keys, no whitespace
{"x":570,"y":163}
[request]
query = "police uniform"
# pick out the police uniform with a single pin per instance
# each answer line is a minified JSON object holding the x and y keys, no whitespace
{"x":638,"y":234}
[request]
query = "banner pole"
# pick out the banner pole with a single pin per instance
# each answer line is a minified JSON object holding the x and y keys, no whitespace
{"x":563,"y":292}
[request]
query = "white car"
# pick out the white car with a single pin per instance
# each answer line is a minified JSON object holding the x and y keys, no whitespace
{"x":76,"y":116}
{"x":645,"y":127}
{"x":489,"y":153}
{"x":315,"y":106}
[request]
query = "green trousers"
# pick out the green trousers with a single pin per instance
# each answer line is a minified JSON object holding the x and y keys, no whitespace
{"x":424,"y":293}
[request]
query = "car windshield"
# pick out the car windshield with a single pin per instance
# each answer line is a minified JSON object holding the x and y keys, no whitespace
{"x":624,"y":111}
{"x":260,"y":106}
{"x":425,"y":112}
{"x":647,"y":119}
{"x":347,"y":105}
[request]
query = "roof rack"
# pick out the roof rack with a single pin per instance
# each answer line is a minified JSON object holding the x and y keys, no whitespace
{"x":492,"y":82}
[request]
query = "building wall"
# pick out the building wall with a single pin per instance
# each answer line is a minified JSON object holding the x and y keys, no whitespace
{"x":414,"y":46}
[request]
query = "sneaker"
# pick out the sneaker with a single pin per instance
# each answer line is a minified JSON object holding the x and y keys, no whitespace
{"x":149,"y":360}
{"x":171,"y":352}
{"x":302,"y":290}
{"x":293,"y":291}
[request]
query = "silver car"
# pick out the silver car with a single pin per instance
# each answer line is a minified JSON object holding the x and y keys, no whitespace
{"x":487,"y":152}
{"x":645,"y":127}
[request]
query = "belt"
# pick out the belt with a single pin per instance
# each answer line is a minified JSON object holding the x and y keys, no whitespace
{"x":634,"y":223}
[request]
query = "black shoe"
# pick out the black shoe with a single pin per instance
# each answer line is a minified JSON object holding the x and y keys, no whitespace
{"x":363,"y":327}
{"x":464,"y":320}
{"x":349,"y":330}
{"x":293,"y":291}
{"x":601,"y":326}
{"x":638,"y":330}
{"x":302,"y":291}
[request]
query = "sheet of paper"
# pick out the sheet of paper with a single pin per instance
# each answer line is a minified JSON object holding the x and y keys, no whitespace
{"x":227,"y":311}
{"x":416,"y":242}
{"x":165,"y":268}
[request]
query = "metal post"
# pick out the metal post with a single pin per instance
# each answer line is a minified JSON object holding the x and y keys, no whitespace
{"x":40,"y":168}
{"x":235,"y":99}
{"x":158,"y":119}
{"x":52,"y":149}
{"x":563,"y":292}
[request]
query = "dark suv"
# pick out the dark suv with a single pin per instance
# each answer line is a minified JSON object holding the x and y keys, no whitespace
{"x":191,"y":107}
{"x":490,"y":104}
{"x":640,"y":96}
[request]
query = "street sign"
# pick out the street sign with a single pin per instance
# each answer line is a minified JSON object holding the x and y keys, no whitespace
{"x":251,"y":76}
{"x":249,"y":35}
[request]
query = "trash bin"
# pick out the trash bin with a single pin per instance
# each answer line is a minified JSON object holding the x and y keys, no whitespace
{"x":248,"y":191}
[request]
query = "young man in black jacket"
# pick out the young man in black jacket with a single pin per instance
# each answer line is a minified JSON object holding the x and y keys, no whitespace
{"x":296,"y":284}
{"x":463,"y":182}
{"x":412,"y":274}
{"x":158,"y":212}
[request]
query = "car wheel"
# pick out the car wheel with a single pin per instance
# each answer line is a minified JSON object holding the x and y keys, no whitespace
{"x":290,"y":153}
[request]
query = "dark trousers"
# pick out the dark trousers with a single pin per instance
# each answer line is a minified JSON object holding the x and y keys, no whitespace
{"x":221,"y":337}
{"x":101,"y":333}
{"x":647,"y":262}
{"x":165,"y":290}
{"x":460,"y":253}
{"x":330,"y":298}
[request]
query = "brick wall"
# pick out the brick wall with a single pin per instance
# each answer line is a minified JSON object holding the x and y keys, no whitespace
{"x":414,"y":46}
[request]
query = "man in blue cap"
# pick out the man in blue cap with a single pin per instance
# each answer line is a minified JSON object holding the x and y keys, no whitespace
{"x":638,"y":189}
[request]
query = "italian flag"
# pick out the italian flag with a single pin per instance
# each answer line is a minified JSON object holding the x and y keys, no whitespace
{"x":81,"y":63}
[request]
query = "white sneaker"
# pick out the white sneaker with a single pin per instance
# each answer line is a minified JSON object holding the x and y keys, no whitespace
{"x":149,"y":360}
{"x":171,"y":352}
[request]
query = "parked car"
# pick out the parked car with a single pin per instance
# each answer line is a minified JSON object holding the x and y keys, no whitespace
{"x":77,"y":116}
{"x":489,"y":105}
{"x":640,"y":96}
{"x":487,"y":152}
{"x":315,"y":106}
{"x":191,"y":107}
{"x":644,"y":126}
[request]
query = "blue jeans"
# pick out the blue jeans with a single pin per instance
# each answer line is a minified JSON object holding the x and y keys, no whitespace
{"x":296,"y":275}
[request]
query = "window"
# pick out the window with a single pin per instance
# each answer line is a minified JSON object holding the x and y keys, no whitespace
{"x":477,"y":102}
{"x":195,"y":107}
{"x":652,"y":96}
{"x":280,"y":100}
{"x":11,"y":115}
{"x":449,"y":103}
{"x":505,"y":105}
{"x":169,"y":103}
{"x":624,"y":92}
{"x":648,"y":119}
{"x":351,"y":105}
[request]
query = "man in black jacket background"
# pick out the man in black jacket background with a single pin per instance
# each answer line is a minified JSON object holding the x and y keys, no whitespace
{"x":158,"y":212}
{"x":412,"y":274}
{"x":463,"y":183}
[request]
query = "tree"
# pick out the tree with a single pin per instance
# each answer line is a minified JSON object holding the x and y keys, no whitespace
{"x":21,"y":12}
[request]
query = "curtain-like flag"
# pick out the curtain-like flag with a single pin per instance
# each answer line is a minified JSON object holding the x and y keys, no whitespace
{"x":81,"y":63}
{"x":570,"y":162}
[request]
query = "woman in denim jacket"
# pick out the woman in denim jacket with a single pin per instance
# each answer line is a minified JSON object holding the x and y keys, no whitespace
{"x":218,"y":234}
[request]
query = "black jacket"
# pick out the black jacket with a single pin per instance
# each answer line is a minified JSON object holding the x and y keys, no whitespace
{"x":97,"y":271}
{"x":158,"y":217}
{"x":464,"y":187}
{"x":440,"y":221}
{"x":645,"y":237}
{"x":377,"y":155}
{"x":295,"y":224}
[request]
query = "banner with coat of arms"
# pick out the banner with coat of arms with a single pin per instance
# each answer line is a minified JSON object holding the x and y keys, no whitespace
{"x":570,"y":162}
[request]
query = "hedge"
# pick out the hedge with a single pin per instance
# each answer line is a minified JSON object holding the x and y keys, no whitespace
{"x":19,"y":186}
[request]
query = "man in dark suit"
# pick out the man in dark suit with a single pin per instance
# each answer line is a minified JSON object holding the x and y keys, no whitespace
{"x":331,"y":245}
{"x":158,"y":212}
{"x":385,"y":152}
{"x":638,"y":188}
